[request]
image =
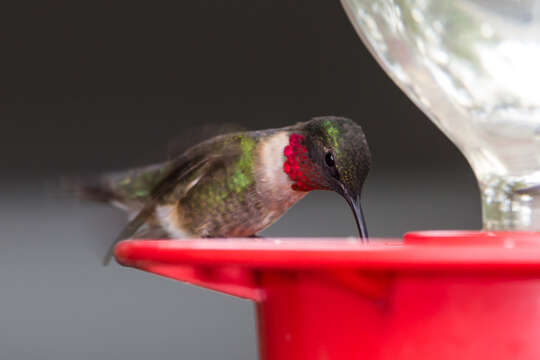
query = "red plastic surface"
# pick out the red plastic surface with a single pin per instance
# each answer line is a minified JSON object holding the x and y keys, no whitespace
{"x":436,"y":295}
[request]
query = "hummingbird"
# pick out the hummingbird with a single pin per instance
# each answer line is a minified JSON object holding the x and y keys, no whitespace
{"x":238,"y":184}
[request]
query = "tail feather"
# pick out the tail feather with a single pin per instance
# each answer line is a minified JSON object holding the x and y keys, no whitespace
{"x":90,"y":190}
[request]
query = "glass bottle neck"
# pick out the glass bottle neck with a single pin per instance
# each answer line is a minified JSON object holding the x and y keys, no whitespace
{"x":509,"y":204}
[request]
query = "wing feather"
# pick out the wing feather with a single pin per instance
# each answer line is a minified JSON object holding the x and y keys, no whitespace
{"x":182,"y":176}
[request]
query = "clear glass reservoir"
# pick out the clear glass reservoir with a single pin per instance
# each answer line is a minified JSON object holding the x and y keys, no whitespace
{"x":473,"y":66}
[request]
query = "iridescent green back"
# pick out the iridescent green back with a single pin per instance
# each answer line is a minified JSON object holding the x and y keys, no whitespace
{"x":225,"y":194}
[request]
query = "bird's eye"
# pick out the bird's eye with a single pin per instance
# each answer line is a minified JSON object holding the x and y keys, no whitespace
{"x":330,"y":159}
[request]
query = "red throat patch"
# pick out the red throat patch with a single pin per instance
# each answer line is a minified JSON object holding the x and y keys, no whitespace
{"x":298,"y":165}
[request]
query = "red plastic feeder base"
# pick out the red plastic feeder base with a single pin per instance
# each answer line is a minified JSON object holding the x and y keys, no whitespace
{"x":436,"y":295}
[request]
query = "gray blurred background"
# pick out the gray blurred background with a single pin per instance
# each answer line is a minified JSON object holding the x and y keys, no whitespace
{"x":88,"y":87}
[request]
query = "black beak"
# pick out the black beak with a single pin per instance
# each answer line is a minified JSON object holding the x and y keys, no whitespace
{"x":354,"y":203}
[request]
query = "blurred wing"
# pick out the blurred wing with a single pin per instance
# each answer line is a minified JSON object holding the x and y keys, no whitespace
{"x":197,"y":134}
{"x":132,"y":188}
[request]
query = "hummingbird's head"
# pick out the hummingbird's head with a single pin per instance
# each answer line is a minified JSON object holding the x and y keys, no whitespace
{"x":330,"y":153}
